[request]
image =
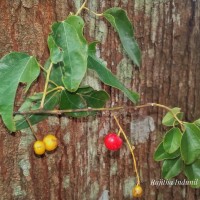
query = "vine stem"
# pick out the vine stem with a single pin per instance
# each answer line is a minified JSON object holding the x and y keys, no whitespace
{"x":60,"y":112}
{"x":46,"y":85}
{"x":81,"y":8}
{"x":170,"y":110}
{"x":130,"y":148}
{"x":166,"y":108}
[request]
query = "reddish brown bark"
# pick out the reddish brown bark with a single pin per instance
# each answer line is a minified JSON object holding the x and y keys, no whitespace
{"x":168,"y":33}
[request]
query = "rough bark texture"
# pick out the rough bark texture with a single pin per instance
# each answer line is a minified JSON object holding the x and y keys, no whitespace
{"x":168,"y":32}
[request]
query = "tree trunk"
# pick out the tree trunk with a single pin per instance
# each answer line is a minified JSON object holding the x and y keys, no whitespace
{"x":168,"y":33}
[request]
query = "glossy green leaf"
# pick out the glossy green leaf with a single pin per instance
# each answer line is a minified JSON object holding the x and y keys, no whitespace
{"x":119,"y":20}
{"x":190,"y":143}
{"x":169,"y":120}
{"x":161,"y":154}
{"x":68,"y":45}
{"x":84,"y":98}
{"x":106,"y":75}
{"x":193,"y":173}
{"x":172,"y":168}
{"x":14,"y":68}
{"x":172,"y":140}
{"x":33,"y":103}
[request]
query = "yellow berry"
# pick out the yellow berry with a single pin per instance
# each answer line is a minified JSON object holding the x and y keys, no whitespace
{"x":39,"y":147}
{"x":50,"y":142}
{"x":137,"y":191}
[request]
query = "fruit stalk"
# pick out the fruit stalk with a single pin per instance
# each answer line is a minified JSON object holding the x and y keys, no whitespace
{"x":29,"y":123}
{"x":131,"y":150}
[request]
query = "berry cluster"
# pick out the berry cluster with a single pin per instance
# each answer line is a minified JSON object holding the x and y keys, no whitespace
{"x":49,"y":143}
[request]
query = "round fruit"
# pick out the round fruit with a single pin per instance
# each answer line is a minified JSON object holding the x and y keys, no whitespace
{"x":39,"y":147}
{"x":50,"y":142}
{"x":113,"y":142}
{"x":137,"y":191}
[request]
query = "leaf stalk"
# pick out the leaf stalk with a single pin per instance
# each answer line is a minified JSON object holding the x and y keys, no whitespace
{"x":46,"y":85}
{"x":81,"y":8}
{"x":97,"y":14}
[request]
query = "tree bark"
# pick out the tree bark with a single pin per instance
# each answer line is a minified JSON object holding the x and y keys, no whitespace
{"x":168,"y":32}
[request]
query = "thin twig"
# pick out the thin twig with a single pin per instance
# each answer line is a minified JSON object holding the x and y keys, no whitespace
{"x":60,"y":112}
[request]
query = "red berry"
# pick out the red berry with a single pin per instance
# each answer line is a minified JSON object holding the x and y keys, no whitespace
{"x":112,"y":141}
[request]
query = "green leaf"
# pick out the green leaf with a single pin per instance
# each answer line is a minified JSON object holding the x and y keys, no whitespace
{"x":56,"y":73}
{"x":172,"y":168}
{"x":55,"y":52}
{"x":193,"y":173}
{"x":119,"y":20}
{"x":161,"y":154}
{"x":68,"y":45}
{"x":14,"y":68}
{"x":190,"y":143}
{"x":28,"y":105}
{"x":78,"y":23}
{"x":106,"y":75}
{"x":33,"y":103}
{"x":85,"y":97}
{"x":197,"y":122}
{"x":169,"y":120}
{"x":85,"y":90}
{"x":72,"y":101}
{"x":172,"y":140}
